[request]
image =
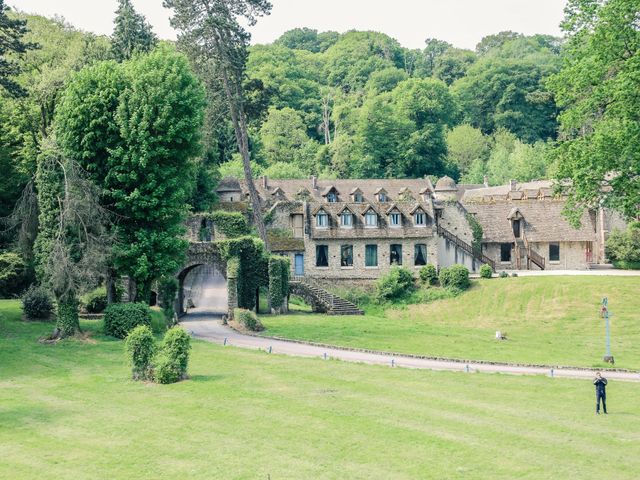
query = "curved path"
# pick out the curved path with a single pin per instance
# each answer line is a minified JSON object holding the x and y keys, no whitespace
{"x":207,"y":325}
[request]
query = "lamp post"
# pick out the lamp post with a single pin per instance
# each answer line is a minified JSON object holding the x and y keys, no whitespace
{"x":604,"y":311}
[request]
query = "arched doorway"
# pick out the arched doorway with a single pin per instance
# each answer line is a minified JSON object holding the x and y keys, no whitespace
{"x":202,"y":287}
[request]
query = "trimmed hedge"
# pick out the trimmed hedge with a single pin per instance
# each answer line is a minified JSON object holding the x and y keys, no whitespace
{"x":428,"y":275}
{"x":121,"y":318}
{"x":455,"y":276}
{"x":486,"y":271}
{"x":278,"y":281}
{"x":140,"y":347}
{"x":176,"y":347}
{"x":248,"y":319}
{"x":95,"y":301}
{"x":37,"y":303}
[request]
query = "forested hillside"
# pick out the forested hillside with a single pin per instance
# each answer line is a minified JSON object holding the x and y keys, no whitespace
{"x":359,"y":104}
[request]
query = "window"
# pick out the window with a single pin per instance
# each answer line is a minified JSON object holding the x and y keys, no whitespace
{"x":322,"y":255}
{"x":371,"y":255}
{"x":322,"y":220}
{"x":346,"y":256}
{"x":332,"y":197}
{"x":346,"y":219}
{"x":395,"y":254}
{"x":357,"y":198}
{"x":382,"y":197}
{"x":297,"y":223}
{"x":394,"y":218}
{"x":505,"y":252}
{"x":516,"y":228}
{"x":371,"y":219}
{"x":420,"y":254}
{"x":554,"y":252}
{"x":420,"y":219}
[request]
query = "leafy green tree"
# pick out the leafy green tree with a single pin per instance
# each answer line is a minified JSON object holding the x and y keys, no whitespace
{"x":285,"y":139}
{"x":307,"y":39}
{"x":491,"y":42}
{"x":12,"y":31}
{"x":385,"y":80}
{"x":453,"y":64}
{"x":285,"y":170}
{"x":215,"y":41}
{"x":506,"y":88}
{"x":466,"y":144}
{"x":433,"y":49}
{"x":597,"y":89}
{"x":132,"y":33}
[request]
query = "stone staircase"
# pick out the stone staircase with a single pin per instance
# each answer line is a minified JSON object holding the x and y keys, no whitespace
{"x":320,"y":299}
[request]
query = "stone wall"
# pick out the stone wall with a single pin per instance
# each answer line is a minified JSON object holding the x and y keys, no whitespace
{"x":572,"y":256}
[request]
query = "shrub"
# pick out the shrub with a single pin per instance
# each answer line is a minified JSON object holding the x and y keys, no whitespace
{"x":394,"y":285}
{"x":429,"y":275}
{"x":248,"y":319}
{"x":94,"y":301}
{"x":37,"y":303}
{"x":140,"y":347}
{"x":503,"y":274}
{"x":165,"y":369}
{"x":121,"y":318}
{"x":176,"y":347}
{"x":623,"y":248}
{"x":427,"y":295}
{"x":456,"y":276}
{"x":486,"y":271}
{"x":278,"y":281}
{"x":514,"y":274}
{"x":230,"y":224}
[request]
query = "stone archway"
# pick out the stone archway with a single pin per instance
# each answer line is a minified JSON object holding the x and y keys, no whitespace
{"x":201,"y":254}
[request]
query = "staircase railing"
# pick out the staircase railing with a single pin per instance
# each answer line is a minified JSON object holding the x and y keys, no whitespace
{"x":532,"y":255}
{"x":458,"y":242}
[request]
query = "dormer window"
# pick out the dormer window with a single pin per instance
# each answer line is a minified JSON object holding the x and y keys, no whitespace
{"x":382,"y":197}
{"x":395,"y":219}
{"x":346,"y":219}
{"x":358,"y":198}
{"x":420,"y":219}
{"x":332,"y":197}
{"x":322,"y":220}
{"x":370,"y":219}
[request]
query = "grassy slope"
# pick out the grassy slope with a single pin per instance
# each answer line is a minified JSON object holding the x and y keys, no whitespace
{"x":548,"y":320}
{"x":69,"y":412}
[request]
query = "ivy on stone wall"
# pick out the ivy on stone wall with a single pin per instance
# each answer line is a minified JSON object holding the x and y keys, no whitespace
{"x":476,"y":231}
{"x":230,"y":224}
{"x":248,"y":262}
{"x":278,"y":281}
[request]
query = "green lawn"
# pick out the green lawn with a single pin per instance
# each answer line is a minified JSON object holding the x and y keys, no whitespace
{"x":69,"y":411}
{"x":548,"y":320}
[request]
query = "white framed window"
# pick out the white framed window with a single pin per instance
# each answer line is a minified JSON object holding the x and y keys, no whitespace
{"x":382,"y":197}
{"x":357,"y":197}
{"x":332,"y":197}
{"x":371,"y":219}
{"x":395,"y":219}
{"x":322,"y":220}
{"x":346,"y":220}
{"x":420,"y":219}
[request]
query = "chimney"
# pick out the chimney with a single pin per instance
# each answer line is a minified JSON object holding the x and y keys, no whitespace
{"x":486,"y":181}
{"x":513,"y":185}
{"x":265,"y":182}
{"x":314,"y":182}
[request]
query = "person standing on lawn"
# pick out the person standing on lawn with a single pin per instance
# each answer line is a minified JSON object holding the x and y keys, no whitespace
{"x":601,"y":392}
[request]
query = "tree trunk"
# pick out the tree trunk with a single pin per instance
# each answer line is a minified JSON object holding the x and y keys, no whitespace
{"x":110,"y":283}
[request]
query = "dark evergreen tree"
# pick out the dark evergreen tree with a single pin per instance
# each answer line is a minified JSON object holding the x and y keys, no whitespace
{"x":11,"y":33}
{"x":132,"y":32}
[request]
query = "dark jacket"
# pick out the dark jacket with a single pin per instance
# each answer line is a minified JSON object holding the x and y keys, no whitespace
{"x":600,"y":384}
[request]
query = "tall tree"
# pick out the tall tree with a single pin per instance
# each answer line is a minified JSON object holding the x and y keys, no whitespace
{"x":12,"y":31}
{"x":598,"y":88}
{"x":136,"y":128}
{"x":211,"y":34}
{"x":132,"y":33}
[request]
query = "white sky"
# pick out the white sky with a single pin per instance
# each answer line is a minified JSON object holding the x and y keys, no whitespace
{"x":460,"y":22}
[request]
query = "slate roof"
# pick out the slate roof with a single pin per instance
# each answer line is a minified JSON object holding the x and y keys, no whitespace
{"x":543,"y":221}
{"x":344,"y":187}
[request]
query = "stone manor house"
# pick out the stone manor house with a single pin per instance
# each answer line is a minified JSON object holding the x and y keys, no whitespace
{"x":355,"y":230}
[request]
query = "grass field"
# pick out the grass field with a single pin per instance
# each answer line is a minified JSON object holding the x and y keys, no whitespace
{"x":69,"y":411}
{"x":548,"y":320}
